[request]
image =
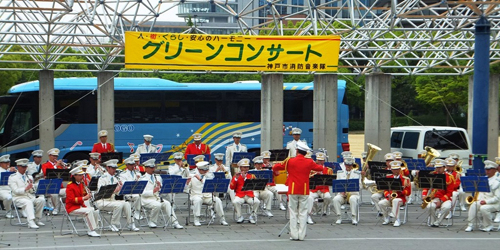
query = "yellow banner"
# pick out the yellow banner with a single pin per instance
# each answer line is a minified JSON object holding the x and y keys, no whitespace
{"x":144,"y":50}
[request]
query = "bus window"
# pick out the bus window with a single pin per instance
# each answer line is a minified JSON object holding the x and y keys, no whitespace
{"x":3,"y":116}
{"x":446,"y":139}
{"x":411,"y":140}
{"x":396,"y":139}
{"x":21,"y":123}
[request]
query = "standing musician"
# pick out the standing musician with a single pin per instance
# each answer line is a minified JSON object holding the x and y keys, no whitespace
{"x":94,"y":168}
{"x":394,"y":199}
{"x":77,"y":194}
{"x":146,"y":147}
{"x":35,"y":167}
{"x":486,"y":203}
{"x":236,"y":146}
{"x":151,"y":196}
{"x":497,"y":175}
{"x":178,"y":168}
{"x":103,"y":146}
{"x":54,"y":163}
{"x":440,"y":198}
{"x":320,"y":191}
{"x":342,"y":198}
{"x":130,"y":174}
{"x":292,"y":145}
{"x":298,"y":169}
{"x":243,"y":196}
{"x":5,"y":194}
{"x":198,"y":198}
{"x":116,"y":206}
{"x":23,"y":195}
{"x":196,"y":148}
{"x":266,"y":195}
{"x":389,"y":157}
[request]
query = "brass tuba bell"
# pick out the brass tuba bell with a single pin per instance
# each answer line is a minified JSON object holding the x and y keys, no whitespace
{"x":372,"y":151}
{"x":430,"y":155}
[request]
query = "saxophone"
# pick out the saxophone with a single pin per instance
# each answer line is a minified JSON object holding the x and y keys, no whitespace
{"x":428,"y":199}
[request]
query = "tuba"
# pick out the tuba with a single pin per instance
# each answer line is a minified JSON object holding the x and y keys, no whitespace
{"x":430,"y":155}
{"x":372,"y":151}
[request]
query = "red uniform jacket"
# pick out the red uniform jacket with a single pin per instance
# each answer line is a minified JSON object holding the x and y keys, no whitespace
{"x":193,"y":150}
{"x":442,"y":194}
{"x":237,"y":185}
{"x":298,"y":169}
{"x":401,"y":194}
{"x":74,"y":197}
{"x":48,"y":165}
{"x":100,"y":149}
{"x":456,"y":176}
{"x":323,"y":189}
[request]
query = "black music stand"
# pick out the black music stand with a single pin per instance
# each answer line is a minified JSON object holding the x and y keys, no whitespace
{"x":113,"y":155}
{"x":172,"y":186}
{"x":216,"y":185}
{"x":428,"y":179}
{"x":58,"y":174}
{"x":278,"y":154}
{"x":105,"y":192}
{"x":377,"y":173}
{"x":254,"y":185}
{"x":93,"y":183}
{"x":389,"y":184}
{"x":321,"y":180}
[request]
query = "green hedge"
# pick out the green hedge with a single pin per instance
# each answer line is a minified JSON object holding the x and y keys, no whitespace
{"x":436,"y":120}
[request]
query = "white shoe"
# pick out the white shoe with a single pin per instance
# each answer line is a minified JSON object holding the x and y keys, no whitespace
{"x":487,"y":229}
{"x":436,"y":224}
{"x":251,"y":219}
{"x":176,"y":225}
{"x":152,"y":224}
{"x":342,"y":207}
{"x":469,"y":229}
{"x":410,"y":201}
{"x":282,"y":207}
{"x":114,"y":228}
{"x":9,"y":216}
{"x":223,"y":221}
{"x":39,"y":223}
{"x":338,"y":221}
{"x":23,"y":214}
{"x":55,"y":212}
{"x":268,"y":213}
{"x":462,"y":207}
{"x":397,"y":223}
{"x":240,"y":220}
{"x":391,"y":215}
{"x":354,"y":222}
{"x":137,"y":215}
{"x":387,"y":220}
{"x":449,"y":215}
{"x":197,"y":221}
{"x":497,"y":218}
{"x":132,"y":227}
{"x":93,"y":234}
{"x":309,"y":220}
{"x":32,"y":225}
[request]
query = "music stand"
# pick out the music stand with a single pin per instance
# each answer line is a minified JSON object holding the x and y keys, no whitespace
{"x":278,"y":154}
{"x":105,"y":192}
{"x":428,"y":179}
{"x":473,"y":184}
{"x":191,"y":161}
{"x":133,"y":187}
{"x":475,"y":172}
{"x":93,"y":183}
{"x":172,"y":186}
{"x":321,"y":180}
{"x":219,"y":175}
{"x":58,"y":174}
{"x":216,"y":185}
{"x":416,"y":164}
{"x":113,"y":155}
{"x":344,"y":186}
{"x":237,"y":156}
{"x":263,"y":174}
{"x":48,"y":186}
{"x":389,"y":184}
{"x":4,"y":178}
{"x":254,"y":185}
{"x":379,"y":173}
{"x":159,"y":157}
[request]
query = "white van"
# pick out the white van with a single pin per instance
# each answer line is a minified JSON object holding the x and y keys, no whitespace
{"x":411,"y":140}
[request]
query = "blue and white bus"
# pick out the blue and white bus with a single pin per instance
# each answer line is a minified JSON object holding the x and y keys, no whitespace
{"x":168,"y":110}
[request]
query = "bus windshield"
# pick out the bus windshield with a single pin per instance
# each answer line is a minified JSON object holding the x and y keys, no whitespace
{"x":4,"y":109}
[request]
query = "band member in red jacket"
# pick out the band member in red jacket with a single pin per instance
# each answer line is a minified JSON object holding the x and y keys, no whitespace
{"x":197,"y":148}
{"x":439,"y":198}
{"x":243,"y":196}
{"x":76,"y":195}
{"x":103,"y":146}
{"x":394,"y":199}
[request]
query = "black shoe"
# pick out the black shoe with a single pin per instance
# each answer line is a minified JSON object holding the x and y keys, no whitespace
{"x":379,"y":214}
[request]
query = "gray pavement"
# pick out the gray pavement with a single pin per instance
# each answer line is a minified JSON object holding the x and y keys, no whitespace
{"x":369,"y":233}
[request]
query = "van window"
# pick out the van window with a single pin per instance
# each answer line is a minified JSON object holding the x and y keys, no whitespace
{"x":411,"y":140}
{"x":396,"y":139}
{"x":446,"y":139}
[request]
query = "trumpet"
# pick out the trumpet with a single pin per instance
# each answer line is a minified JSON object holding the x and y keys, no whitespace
{"x":185,"y":165}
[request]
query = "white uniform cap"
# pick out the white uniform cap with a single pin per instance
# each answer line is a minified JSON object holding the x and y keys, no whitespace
{"x":197,"y":137}
{"x":103,"y":133}
{"x":178,"y":156}
{"x":497,"y":160}
{"x":266,"y":154}
{"x":199,"y":158}
{"x":53,"y":151}
{"x":296,"y":131}
{"x":202,"y":165}
{"x":308,"y":155}
{"x":37,"y":153}
{"x":219,"y":156}
{"x":320,"y":156}
{"x":148,"y":137}
{"x":450,"y":162}
{"x":490,"y":164}
{"x":348,"y":161}
{"x":95,"y":155}
{"x":22,"y":162}
{"x":364,"y":154}
{"x":346,"y":154}
{"x":5,"y":158}
{"x":395,"y":165}
{"x":237,"y":134}
{"x":302,"y":146}
{"x":129,"y":161}
{"x":258,"y":159}
{"x":77,"y":170}
{"x":81,"y":163}
{"x":150,"y":163}
{"x":244,"y":163}
{"x":439,"y":163}
{"x":111,"y":163}
{"x":454,"y":156}
{"x":137,"y":157}
{"x":397,"y":155}
{"x":389,"y":157}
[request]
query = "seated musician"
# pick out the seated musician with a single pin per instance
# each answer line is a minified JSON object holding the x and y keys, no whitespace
{"x":398,"y":156}
{"x":395,"y":199}
{"x":76,"y":196}
{"x":54,"y":163}
{"x":459,"y":195}
{"x":267,"y":164}
{"x":266,"y":195}
{"x":118,"y":207}
{"x":196,"y":159}
{"x":5,"y":194}
{"x":219,"y":166}
{"x":341,"y":198}
{"x":243,"y":196}
{"x":137,"y":160}
{"x":95,"y":169}
{"x":151,"y":197}
{"x":376,"y":197}
{"x":320,"y":192}
{"x":178,"y":168}
{"x":485,"y":204}
{"x":131,"y":174}
{"x":198,"y":198}
{"x":450,"y":165}
{"x":440,"y":198}
{"x":345,"y":154}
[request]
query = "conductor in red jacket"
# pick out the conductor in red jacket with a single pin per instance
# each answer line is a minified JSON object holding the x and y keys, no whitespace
{"x":196,"y":148}
{"x":103,"y":146}
{"x":298,"y":169}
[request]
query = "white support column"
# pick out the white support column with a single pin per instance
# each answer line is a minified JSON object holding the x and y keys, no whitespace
{"x":46,"y":111}
{"x":106,"y":104}
{"x":378,"y":112}
{"x":271,"y":117}
{"x":325,"y":114}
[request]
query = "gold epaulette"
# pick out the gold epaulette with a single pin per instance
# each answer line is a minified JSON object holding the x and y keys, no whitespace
{"x":70,"y":182}
{"x":452,"y":180}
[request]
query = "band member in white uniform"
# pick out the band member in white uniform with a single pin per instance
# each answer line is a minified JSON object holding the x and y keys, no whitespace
{"x":341,"y":198}
{"x":198,"y":198}
{"x":94,"y":168}
{"x":236,"y":146}
{"x":23,"y":195}
{"x":292,"y":145}
{"x":151,"y":197}
{"x":389,"y":157}
{"x":485,"y":204}
{"x":5,"y":194}
{"x":118,"y":207}
{"x":265,"y":196}
{"x":178,"y":168}
{"x":146,"y":147}
{"x":130,"y":174}
{"x":219,"y":166}
{"x":35,"y":167}
{"x":345,"y":154}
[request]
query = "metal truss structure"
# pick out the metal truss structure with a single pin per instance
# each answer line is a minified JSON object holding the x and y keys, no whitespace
{"x":405,"y":37}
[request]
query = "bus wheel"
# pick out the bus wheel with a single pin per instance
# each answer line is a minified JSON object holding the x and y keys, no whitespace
{"x":71,"y":157}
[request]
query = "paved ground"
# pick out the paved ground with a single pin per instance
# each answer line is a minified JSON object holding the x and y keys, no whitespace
{"x":323,"y":235}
